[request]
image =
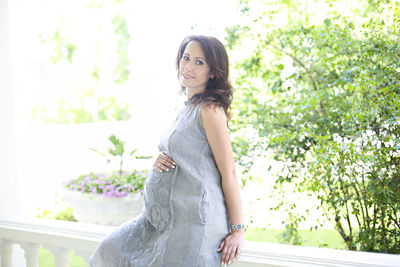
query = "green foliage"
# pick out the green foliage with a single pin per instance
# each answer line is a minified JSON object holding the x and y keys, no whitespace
{"x":44,"y":213}
{"x":111,"y":110}
{"x":65,"y":215}
{"x":107,"y":41}
{"x":63,"y":48}
{"x":88,"y":108}
{"x":117,"y":150}
{"x":121,"y":31}
{"x":324,"y":98}
{"x":60,"y":46}
{"x":291,"y":234}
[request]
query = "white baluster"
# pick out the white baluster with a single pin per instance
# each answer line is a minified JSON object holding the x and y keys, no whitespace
{"x":6,"y":249}
{"x":61,"y":256}
{"x":31,"y":254}
{"x":83,"y":254}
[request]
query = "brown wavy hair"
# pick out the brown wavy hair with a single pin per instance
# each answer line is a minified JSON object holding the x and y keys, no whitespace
{"x":218,"y":89}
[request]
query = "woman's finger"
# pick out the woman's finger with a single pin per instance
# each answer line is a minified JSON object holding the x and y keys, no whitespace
{"x":221,"y":246}
{"x":225,"y":254}
{"x":231,"y":256}
{"x":164,"y":154}
{"x":158,"y":166}
{"x":238,"y":253}
{"x":163,"y":162}
{"x":161,"y":166}
{"x":165,"y":165}
{"x":167,"y":160}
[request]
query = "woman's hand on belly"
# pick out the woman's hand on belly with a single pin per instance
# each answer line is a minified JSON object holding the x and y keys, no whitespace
{"x":163,"y":162}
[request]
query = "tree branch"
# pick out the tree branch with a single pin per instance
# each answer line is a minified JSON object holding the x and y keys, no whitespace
{"x":314,"y":84}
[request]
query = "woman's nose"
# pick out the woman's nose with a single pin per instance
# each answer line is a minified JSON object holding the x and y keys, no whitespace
{"x":188,"y":66}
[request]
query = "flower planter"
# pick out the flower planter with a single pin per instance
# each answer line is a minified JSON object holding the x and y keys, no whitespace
{"x":99,"y":209}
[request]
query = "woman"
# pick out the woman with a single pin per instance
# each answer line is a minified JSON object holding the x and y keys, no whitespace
{"x":192,"y":206}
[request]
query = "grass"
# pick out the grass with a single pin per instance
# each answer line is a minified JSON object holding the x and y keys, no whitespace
{"x":315,"y":238}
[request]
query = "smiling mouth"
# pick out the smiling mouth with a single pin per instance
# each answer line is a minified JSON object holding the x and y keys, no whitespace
{"x":186,"y":76}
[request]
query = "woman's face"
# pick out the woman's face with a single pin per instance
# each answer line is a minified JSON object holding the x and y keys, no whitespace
{"x":194,"y":71}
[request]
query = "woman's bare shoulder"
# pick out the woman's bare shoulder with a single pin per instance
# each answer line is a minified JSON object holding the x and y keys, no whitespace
{"x":212,"y":114}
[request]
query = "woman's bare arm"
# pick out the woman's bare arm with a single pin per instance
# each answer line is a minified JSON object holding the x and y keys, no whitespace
{"x":214,"y":124}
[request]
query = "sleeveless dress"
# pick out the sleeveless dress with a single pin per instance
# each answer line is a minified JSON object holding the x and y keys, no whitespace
{"x":185,"y":217}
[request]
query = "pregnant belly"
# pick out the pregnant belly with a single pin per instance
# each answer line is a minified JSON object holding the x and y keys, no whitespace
{"x":157,"y":199}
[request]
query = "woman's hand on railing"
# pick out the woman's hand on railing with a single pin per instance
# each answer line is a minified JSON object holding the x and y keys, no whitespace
{"x":231,"y":246}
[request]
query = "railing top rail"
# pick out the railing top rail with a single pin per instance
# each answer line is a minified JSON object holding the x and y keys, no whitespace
{"x":52,"y":232}
{"x":86,"y":237}
{"x":57,"y":227}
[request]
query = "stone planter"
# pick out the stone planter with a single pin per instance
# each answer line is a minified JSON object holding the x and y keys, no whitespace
{"x":99,"y":209}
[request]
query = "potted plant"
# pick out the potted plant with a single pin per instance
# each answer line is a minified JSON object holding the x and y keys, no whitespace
{"x":109,"y":198}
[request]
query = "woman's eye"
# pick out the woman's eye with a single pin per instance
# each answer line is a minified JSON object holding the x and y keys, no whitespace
{"x":185,"y":58}
{"x":199,"y":62}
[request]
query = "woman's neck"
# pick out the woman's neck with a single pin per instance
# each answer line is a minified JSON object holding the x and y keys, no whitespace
{"x":193,"y":91}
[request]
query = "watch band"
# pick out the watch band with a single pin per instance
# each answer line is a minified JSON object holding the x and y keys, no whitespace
{"x":237,"y":226}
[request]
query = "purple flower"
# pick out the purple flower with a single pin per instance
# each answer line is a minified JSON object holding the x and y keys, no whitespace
{"x":123,"y":193}
{"x":111,"y":185}
{"x":93,"y":189}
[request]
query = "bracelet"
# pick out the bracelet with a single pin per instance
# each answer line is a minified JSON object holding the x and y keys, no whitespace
{"x":237,"y":226}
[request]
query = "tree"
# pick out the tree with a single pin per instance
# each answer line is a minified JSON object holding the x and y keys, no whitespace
{"x":324,"y":98}
{"x":97,"y":59}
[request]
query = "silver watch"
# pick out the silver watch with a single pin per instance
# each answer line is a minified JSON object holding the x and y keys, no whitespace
{"x":237,"y":226}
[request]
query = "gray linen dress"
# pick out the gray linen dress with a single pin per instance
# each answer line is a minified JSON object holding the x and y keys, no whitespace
{"x":185,"y":217}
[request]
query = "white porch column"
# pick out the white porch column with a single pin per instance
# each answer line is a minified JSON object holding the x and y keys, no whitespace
{"x":9,"y":189}
{"x":61,"y":255}
{"x":6,"y":252}
{"x":31,"y":254}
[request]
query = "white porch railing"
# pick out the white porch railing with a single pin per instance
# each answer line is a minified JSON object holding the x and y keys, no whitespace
{"x":60,"y":237}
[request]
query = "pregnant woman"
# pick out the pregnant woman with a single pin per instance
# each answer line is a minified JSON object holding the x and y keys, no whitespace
{"x":192,"y":207}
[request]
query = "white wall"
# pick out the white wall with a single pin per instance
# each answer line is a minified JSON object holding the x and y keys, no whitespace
{"x":9,"y":181}
{"x":9,"y":185}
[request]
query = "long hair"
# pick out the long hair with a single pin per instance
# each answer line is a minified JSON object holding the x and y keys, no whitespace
{"x":218,"y":89}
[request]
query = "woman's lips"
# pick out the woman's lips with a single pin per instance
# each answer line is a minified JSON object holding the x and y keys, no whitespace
{"x":186,"y":76}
